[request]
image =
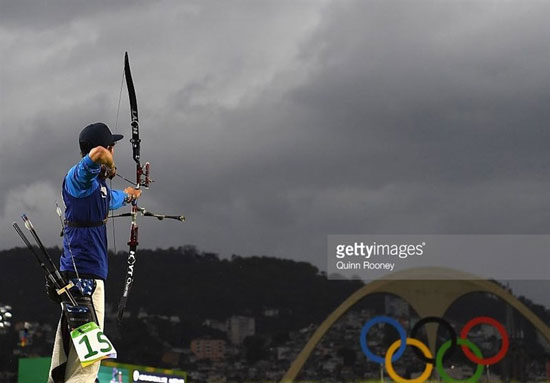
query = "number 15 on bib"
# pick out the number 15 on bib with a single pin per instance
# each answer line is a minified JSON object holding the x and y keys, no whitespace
{"x":91,"y":344}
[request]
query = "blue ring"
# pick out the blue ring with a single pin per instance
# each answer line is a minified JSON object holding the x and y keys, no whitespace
{"x":391,"y":322}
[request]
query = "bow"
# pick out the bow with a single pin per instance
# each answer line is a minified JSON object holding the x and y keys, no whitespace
{"x":142,"y":179}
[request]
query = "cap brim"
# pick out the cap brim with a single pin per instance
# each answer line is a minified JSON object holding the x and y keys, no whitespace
{"x":117,"y":137}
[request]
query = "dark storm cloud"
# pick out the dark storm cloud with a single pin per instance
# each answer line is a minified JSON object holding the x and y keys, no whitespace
{"x":423,"y":126}
{"x":423,"y":108}
{"x":421,"y":130}
{"x":44,"y":14}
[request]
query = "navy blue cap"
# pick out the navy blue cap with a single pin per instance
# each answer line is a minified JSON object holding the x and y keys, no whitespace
{"x":97,"y":134}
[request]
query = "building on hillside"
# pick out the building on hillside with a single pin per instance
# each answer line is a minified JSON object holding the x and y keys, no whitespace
{"x":212,"y":349}
{"x":239,"y":327}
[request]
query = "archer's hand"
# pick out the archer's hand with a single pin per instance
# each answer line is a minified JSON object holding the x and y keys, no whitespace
{"x":107,"y":172}
{"x":132,"y":194}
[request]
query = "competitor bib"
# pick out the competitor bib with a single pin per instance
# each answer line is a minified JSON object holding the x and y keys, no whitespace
{"x":91,"y":344}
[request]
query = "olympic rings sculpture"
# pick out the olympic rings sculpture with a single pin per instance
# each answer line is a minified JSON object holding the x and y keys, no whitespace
{"x":471,"y":351}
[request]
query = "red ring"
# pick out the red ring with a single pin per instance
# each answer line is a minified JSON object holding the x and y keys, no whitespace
{"x":503,"y":334}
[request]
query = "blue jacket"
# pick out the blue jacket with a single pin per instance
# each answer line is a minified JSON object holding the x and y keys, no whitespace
{"x":87,"y":198}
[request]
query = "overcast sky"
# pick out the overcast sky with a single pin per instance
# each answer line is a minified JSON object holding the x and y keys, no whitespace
{"x":271,"y":124}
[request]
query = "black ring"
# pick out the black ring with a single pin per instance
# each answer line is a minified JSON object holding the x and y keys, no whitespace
{"x":443,"y":323}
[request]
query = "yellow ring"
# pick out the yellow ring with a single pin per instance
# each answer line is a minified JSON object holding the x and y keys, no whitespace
{"x":422,"y":347}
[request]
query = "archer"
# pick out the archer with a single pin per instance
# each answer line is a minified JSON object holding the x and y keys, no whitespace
{"x":87,"y":200}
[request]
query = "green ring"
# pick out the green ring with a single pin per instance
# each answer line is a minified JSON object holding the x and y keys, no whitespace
{"x":439,"y":361}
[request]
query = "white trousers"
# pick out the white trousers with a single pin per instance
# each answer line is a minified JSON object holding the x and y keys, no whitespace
{"x":74,"y":372}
